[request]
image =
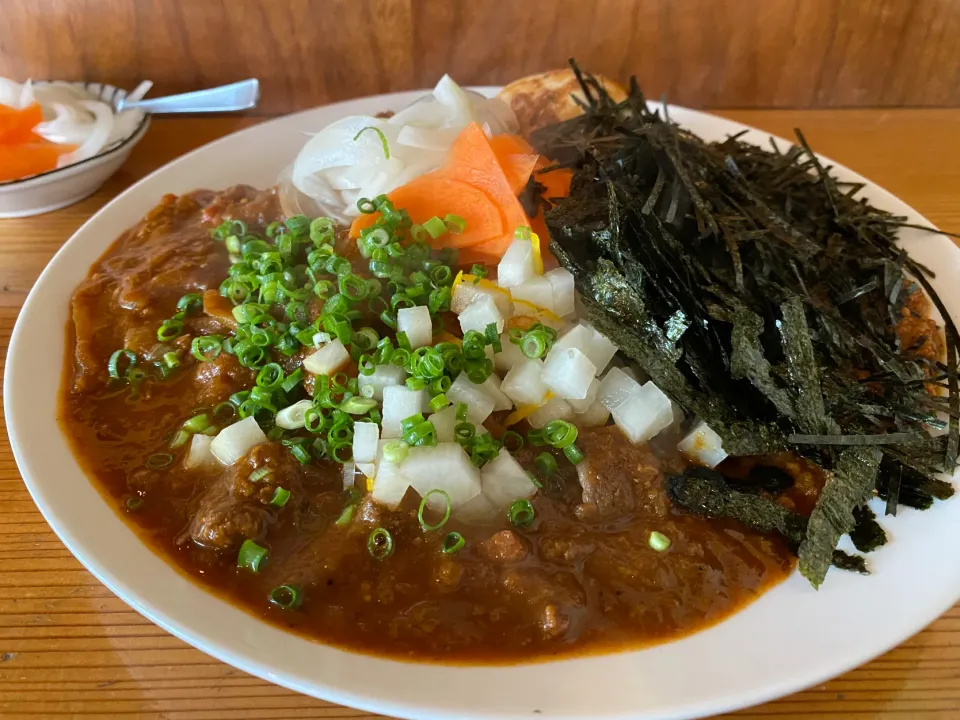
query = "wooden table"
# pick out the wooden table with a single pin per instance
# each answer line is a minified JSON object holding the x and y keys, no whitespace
{"x":69,"y":648}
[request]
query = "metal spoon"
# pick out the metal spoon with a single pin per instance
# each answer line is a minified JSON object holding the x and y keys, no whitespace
{"x":226,"y":98}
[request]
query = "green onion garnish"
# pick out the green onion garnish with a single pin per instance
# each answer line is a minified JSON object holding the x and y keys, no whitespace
{"x":546,"y":464}
{"x":346,"y":516}
{"x":280,"y":497}
{"x":512,"y":441}
{"x":380,"y":543}
{"x":453,"y":543}
{"x":383,"y":142}
{"x":521,"y":513}
{"x":113,"y":365}
{"x":134,"y":502}
{"x":658,"y":541}
{"x":435,"y":227}
{"x":288,"y":597}
{"x":197,"y":424}
{"x":190,"y":302}
{"x":358,"y":405}
{"x":424,"y":525}
{"x":252,"y":556}
{"x":438,"y":402}
{"x":573,"y":453}
{"x":259,"y":474}
{"x":159,"y":460}
{"x":171,"y":360}
{"x":206,"y":348}
{"x":180,"y":438}
{"x":395,"y":451}
{"x":560,"y":433}
{"x":455,"y":223}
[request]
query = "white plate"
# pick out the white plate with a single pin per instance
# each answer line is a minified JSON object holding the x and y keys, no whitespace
{"x":791,"y":638}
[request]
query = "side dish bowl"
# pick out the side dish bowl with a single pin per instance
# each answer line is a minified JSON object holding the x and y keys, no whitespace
{"x":65,"y":186}
{"x":790,"y":638}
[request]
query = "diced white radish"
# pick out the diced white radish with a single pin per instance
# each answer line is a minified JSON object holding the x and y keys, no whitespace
{"x":399,"y":403}
{"x":466,"y":292}
{"x":563,"y":291}
{"x":416,"y":323}
{"x":444,"y":466}
{"x":445,"y":421}
{"x":508,"y":356}
{"x":199,"y":454}
{"x":235,"y":441}
{"x":366,"y":437}
{"x":505,"y":481}
{"x":703,"y":445}
{"x":517,"y":264}
{"x":491,"y":386}
{"x":389,"y":484}
{"x":524,"y":383}
{"x":616,"y":388}
{"x":594,"y":416}
{"x":292,"y":417}
{"x":581,"y":406}
{"x":537,"y":290}
{"x":328,"y":359}
{"x":368,"y":469}
{"x":591,"y":343}
{"x":478,"y":511}
{"x":383,"y":376}
{"x":644,"y":414}
{"x":553,"y":409}
{"x":480,"y":313}
{"x":568,"y":373}
{"x":479,"y":401}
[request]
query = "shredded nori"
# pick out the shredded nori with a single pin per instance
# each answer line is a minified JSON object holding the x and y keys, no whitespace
{"x":867,"y":535}
{"x":709,"y":494}
{"x":762,"y":295}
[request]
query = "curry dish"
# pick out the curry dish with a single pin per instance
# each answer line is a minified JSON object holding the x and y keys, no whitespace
{"x":581,"y":577}
{"x":501,"y":379}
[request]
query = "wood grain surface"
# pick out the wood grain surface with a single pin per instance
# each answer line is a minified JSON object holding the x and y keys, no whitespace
{"x":701,"y":53}
{"x":70,"y":648}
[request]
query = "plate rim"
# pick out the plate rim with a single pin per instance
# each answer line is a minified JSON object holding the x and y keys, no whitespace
{"x":721,"y":703}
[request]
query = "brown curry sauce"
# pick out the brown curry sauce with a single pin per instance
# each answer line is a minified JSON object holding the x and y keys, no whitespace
{"x":582,"y":578}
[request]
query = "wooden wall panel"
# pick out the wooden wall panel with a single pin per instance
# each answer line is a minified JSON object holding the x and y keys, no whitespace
{"x":702,"y":53}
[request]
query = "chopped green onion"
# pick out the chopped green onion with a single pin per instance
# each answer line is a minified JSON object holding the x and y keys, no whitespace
{"x":346,"y":516}
{"x":358,"y":405}
{"x":171,"y":360}
{"x":455,"y":223}
{"x":560,"y":433}
{"x":206,"y":348}
{"x":292,"y":380}
{"x":515,"y":441}
{"x":134,"y":502}
{"x":180,"y":439}
{"x":546,"y":464}
{"x":573,"y":453}
{"x":453,"y":543}
{"x":658,"y":541}
{"x":435,"y":227}
{"x":380,"y":543}
{"x":259,"y":474}
{"x":478,"y":271}
{"x":280,"y":497}
{"x":395,"y":451}
{"x":190,"y":302}
{"x":463,"y":432}
{"x":521,"y":513}
{"x":169,"y":330}
{"x":424,"y":525}
{"x":113,"y":365}
{"x":533,"y":345}
{"x":461,"y":411}
{"x":270,"y":376}
{"x":383,"y":142}
{"x":159,"y":460}
{"x":438,"y":402}
{"x":197,"y":424}
{"x":252,"y":556}
{"x":287,"y":597}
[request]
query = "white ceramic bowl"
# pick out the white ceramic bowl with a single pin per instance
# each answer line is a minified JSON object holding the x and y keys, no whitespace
{"x":790,"y":638}
{"x":58,"y":188}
